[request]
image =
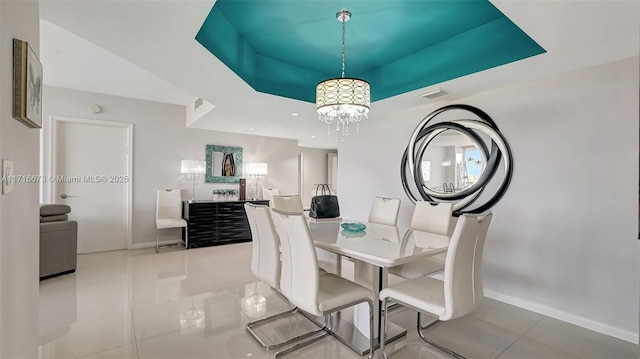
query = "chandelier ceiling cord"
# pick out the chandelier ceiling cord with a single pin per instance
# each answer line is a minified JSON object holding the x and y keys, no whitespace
{"x":345,"y":100}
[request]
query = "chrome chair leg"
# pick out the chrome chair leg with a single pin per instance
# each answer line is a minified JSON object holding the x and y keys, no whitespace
{"x":157,"y":241}
{"x":420,"y":328}
{"x":302,"y":344}
{"x":324,"y":331}
{"x":383,"y":332}
{"x":327,"y":329}
{"x":371,"y":331}
{"x":251,"y":325}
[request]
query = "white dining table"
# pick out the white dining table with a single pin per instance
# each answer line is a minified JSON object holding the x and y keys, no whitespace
{"x":373,"y":250}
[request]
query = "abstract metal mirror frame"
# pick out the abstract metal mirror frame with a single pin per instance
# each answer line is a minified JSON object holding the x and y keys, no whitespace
{"x":224,"y":164}
{"x":489,"y":142}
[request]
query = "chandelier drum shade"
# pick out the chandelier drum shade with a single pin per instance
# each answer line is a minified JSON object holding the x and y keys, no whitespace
{"x":343,"y":100}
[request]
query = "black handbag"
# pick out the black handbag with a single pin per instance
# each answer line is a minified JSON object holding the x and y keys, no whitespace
{"x":324,"y":205}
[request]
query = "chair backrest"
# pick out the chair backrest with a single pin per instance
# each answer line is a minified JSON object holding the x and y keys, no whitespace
{"x":384,"y":211}
{"x":299,"y":279}
{"x":459,"y":271}
{"x":478,"y":291}
{"x":265,"y":256}
{"x":168,"y":203}
{"x":434,"y":218}
{"x":268,"y":193}
{"x":291,"y":204}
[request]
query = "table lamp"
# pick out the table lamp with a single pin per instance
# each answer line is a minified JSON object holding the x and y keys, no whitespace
{"x":192,"y":169}
{"x":256,"y":172}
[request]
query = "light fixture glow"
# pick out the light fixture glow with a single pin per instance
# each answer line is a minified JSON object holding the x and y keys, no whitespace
{"x":192,"y":169}
{"x":345,"y":100}
{"x":256,"y":172}
{"x":294,"y":114}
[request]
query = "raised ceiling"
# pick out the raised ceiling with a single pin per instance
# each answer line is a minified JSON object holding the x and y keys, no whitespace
{"x":156,"y":38}
{"x":285,"y":47}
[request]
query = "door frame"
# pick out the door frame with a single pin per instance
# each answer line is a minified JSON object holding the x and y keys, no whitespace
{"x":54,"y":120}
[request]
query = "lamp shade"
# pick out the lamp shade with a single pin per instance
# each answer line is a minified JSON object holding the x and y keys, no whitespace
{"x":257,"y":169}
{"x":192,"y":166}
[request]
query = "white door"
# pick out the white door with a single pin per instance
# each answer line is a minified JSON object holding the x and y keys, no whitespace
{"x":91,"y":165}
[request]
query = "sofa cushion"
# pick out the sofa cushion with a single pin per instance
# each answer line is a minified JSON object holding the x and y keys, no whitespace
{"x":54,"y":209}
{"x":58,"y":226}
{"x":56,"y":218}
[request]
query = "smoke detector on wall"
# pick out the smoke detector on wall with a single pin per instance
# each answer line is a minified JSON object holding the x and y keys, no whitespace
{"x":437,"y":92}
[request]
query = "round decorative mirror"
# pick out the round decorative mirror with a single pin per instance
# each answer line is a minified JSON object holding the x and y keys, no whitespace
{"x":450,"y":163}
{"x":452,"y":160}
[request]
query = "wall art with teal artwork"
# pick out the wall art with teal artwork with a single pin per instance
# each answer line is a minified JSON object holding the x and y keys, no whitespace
{"x":224,"y":164}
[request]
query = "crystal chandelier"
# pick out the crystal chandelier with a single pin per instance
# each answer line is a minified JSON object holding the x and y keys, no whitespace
{"x":345,"y":100}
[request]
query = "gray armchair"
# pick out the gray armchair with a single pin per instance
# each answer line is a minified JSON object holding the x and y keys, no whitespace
{"x":58,"y":241}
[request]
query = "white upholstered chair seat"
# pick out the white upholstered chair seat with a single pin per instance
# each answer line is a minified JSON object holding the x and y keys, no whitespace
{"x":418,"y":268}
{"x":431,"y":225}
{"x":268,"y":193}
{"x":164,"y":223}
{"x":266,"y":266}
{"x":304,"y":286}
{"x":423,"y":292}
{"x":335,"y":291}
{"x":384,"y":211}
{"x":292,"y":203}
{"x":432,"y":217}
{"x":169,"y":214}
{"x":461,"y":290}
{"x":424,"y":266}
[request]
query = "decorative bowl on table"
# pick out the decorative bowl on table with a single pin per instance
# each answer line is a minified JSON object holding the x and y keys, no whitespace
{"x":353,"y":227}
{"x":352,"y":234}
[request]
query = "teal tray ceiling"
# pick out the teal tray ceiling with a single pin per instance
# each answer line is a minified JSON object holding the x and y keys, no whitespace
{"x":285,"y":47}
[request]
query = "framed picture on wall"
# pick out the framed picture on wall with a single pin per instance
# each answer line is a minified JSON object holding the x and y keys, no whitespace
{"x":224,"y":164}
{"x":27,"y":85}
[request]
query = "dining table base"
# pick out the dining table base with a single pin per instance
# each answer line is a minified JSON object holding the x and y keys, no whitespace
{"x":347,"y":333}
{"x":350,"y":336}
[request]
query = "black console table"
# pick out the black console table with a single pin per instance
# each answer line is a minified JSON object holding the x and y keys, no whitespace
{"x":213,"y":223}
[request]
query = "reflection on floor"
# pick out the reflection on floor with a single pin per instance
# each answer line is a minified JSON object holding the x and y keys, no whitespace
{"x":195,"y":304}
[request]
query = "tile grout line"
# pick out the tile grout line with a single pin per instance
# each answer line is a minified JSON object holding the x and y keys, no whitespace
{"x":520,"y":337}
{"x":525,"y":333}
{"x":129,"y":298}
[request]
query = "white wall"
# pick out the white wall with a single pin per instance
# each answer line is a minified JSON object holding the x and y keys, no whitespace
{"x":160,"y":142}
{"x":314,"y":171}
{"x":19,"y":217}
{"x":564,"y":237}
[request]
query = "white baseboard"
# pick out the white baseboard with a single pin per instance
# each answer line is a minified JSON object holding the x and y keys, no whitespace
{"x":152,"y":244}
{"x":565,"y":317}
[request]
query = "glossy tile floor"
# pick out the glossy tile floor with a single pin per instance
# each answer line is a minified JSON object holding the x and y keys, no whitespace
{"x":195,"y":304}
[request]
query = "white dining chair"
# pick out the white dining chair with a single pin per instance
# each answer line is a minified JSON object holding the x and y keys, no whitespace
{"x":266,"y":267}
{"x":458,"y":294}
{"x":436,"y":221}
{"x":292,"y":203}
{"x":432,"y":217}
{"x":384,"y":211}
{"x":478,"y":287}
{"x":302,"y":284}
{"x":268,"y":193}
{"x":169,"y":214}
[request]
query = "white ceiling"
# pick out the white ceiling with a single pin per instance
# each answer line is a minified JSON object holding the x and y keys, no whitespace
{"x":146,"y":50}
